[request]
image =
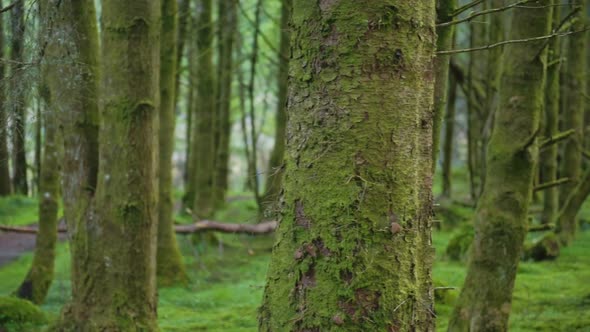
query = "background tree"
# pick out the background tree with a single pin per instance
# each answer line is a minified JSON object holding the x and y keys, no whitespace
{"x":353,"y":247}
{"x":5,"y":184}
{"x":200,"y":190}
{"x":501,"y":215}
{"x":274,"y":179}
{"x":18,"y":99}
{"x":111,"y":212}
{"x":170,"y":268}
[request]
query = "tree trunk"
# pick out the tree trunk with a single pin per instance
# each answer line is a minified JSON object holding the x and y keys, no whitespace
{"x":170,"y":267}
{"x":5,"y":185}
{"x":226,"y":34}
{"x":571,"y":208}
{"x":19,"y":161}
{"x":444,"y":13}
{"x":549,"y":156}
{"x":203,"y":131}
{"x":36,"y":284}
{"x":274,"y":179}
{"x":447,"y":166}
{"x":111,"y":213}
{"x":501,"y":216}
{"x":353,"y":247}
{"x":38,"y":143}
{"x":573,"y":115}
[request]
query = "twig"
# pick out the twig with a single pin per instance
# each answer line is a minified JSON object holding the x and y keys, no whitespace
{"x":506,"y":42}
{"x":483,"y":12}
{"x":444,"y":288}
{"x":541,"y":228}
{"x":9,"y":7}
{"x":556,"y":138}
{"x":551,"y":184}
{"x":466,"y":7}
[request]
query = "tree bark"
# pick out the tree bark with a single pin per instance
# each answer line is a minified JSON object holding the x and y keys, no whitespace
{"x":36,"y":284}
{"x":226,"y":34}
{"x":274,"y":179}
{"x":111,"y":212}
{"x":170,"y":267}
{"x":5,"y":184}
{"x":19,"y":160}
{"x":501,"y":215}
{"x":353,"y":248}
{"x":573,"y":116}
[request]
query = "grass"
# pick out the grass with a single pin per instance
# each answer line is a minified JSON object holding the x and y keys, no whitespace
{"x":227,"y":281}
{"x":18,"y":210}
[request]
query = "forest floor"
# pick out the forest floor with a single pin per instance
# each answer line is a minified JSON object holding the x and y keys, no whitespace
{"x":227,"y":279}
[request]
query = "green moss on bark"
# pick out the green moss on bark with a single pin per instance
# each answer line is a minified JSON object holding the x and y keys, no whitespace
{"x":5,"y":186}
{"x":501,"y":216}
{"x":353,"y":249}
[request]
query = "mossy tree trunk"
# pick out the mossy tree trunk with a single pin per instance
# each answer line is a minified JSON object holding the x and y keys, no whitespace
{"x":567,"y":215}
{"x":548,"y":157}
{"x":501,"y":216}
{"x":111,"y":211}
{"x":203,"y":131}
{"x":573,"y":115}
{"x":36,"y":284}
{"x":444,"y":13}
{"x":18,"y":99}
{"x":5,"y":185}
{"x":274,"y":179}
{"x":170,"y":267}
{"x":226,"y":33}
{"x":353,"y":249}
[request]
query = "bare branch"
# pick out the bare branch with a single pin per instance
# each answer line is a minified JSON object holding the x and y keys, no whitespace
{"x":551,"y":184}
{"x":556,"y":138}
{"x":9,"y":7}
{"x":483,"y":12}
{"x":466,"y":7}
{"x":506,"y":42}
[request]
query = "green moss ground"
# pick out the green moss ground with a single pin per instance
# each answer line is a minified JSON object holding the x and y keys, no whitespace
{"x":227,"y":281}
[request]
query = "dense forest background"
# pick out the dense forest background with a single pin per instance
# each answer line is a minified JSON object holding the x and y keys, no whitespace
{"x":294,"y":165}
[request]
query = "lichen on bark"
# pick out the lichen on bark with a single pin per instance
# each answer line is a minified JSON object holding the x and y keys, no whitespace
{"x":353,"y":249}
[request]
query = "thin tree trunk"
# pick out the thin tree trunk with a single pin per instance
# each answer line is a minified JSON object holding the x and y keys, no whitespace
{"x":203,"y":131}
{"x":573,"y":115}
{"x":170,"y":268}
{"x":549,"y":156}
{"x":444,"y":13}
{"x":184,"y":18}
{"x":36,"y":284}
{"x":112,"y":212}
{"x":447,"y":166}
{"x":573,"y":204}
{"x":274,"y":180}
{"x":38,"y":143}
{"x":19,"y":161}
{"x":253,"y":162}
{"x":189,"y":196}
{"x":501,"y":216}
{"x":5,"y":184}
{"x":226,"y":34}
{"x":354,"y":250}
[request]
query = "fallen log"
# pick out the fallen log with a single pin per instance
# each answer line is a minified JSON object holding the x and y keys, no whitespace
{"x":266,"y":227}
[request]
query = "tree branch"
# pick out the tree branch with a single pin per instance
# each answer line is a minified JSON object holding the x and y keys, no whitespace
{"x":483,"y":12}
{"x":557,"y":138}
{"x":542,"y":227}
{"x":466,"y":7}
{"x":506,"y":42}
{"x":9,"y":7}
{"x":551,"y":184}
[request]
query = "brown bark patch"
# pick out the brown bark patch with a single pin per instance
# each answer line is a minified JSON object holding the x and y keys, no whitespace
{"x":300,"y":218}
